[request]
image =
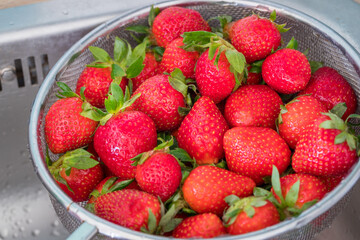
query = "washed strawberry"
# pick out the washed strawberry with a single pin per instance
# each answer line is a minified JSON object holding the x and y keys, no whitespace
{"x":151,"y":68}
{"x":161,"y":101}
{"x":296,"y":115}
{"x":201,"y":132}
{"x":252,"y":151}
{"x":253,"y":78}
{"x":318,"y":148}
{"x":207,"y":186}
{"x":96,"y":82}
{"x":159,"y":174}
{"x":77,"y":173}
{"x":255,"y":37}
{"x":176,"y":57}
{"x":123,"y":134}
{"x":65,"y":127}
{"x":129,"y":208}
{"x":171,"y":22}
{"x":286,"y":71}
{"x":332,"y":182}
{"x":298,"y":192}
{"x":206,"y":225}
{"x":253,"y":105}
{"x":330,"y":88}
{"x":249,"y":214}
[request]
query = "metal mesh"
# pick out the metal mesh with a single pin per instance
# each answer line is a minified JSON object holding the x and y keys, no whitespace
{"x":320,"y":46}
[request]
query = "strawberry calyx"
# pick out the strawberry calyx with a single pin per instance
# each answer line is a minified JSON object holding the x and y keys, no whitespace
{"x":142,"y":29}
{"x":237,"y":205}
{"x":202,"y":40}
{"x":280,"y":27}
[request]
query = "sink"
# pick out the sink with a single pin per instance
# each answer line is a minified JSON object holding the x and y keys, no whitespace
{"x":32,"y":39}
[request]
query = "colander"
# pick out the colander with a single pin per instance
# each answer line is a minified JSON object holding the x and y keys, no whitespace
{"x":323,"y":43}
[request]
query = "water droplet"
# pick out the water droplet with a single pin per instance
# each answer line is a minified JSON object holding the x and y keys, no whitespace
{"x":22,"y":228}
{"x":26,"y":208}
{"x":15,"y":235}
{"x":55,"y":223}
{"x":35,"y":232}
{"x":29,"y":220}
{"x":55,"y":233}
{"x":65,"y":12}
{"x":4,"y":233}
{"x":11,"y":23}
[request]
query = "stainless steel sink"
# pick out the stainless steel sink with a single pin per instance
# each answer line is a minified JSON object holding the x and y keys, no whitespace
{"x":32,"y":38}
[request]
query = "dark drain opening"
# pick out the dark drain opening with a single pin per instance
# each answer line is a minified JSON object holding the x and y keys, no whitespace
{"x":32,"y":70}
{"x":45,"y":64}
{"x":19,"y":73}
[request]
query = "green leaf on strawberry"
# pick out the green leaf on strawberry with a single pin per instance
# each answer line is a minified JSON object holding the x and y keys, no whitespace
{"x":99,"y":54}
{"x":292,"y":44}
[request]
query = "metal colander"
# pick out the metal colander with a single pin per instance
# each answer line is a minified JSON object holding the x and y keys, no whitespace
{"x":323,"y":44}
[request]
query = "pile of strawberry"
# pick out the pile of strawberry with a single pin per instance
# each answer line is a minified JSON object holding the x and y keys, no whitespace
{"x":201,"y":132}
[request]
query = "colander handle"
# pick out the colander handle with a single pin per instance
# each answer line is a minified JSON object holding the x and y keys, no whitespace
{"x":86,"y":231}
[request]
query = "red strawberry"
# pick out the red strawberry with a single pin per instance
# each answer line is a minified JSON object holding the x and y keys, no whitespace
{"x":252,"y":151}
{"x":253,"y":105}
{"x":161,"y":102}
{"x":77,"y":173}
{"x":171,"y":22}
{"x":214,"y":81}
{"x":318,"y":148}
{"x":253,"y":78}
{"x":124,"y":136}
{"x":286,"y":71}
{"x":207,"y":186}
{"x":160,"y":175}
{"x":254,"y":37}
{"x":310,"y":189}
{"x":128,"y":208}
{"x":332,"y":182}
{"x":206,"y":225}
{"x":253,"y":213}
{"x":296,"y":116}
{"x":202,"y":131}
{"x":65,"y":128}
{"x":151,"y":68}
{"x":96,"y":82}
{"x":330,"y":88}
{"x":176,"y":57}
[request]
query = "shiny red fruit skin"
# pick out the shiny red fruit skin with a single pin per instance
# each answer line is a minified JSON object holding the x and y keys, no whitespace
{"x":151,"y":68}
{"x":206,"y":225}
{"x":124,"y":136}
{"x":159,"y":175}
{"x":252,"y":152}
{"x":311,"y":188}
{"x":331,"y":88}
{"x":253,"y":105}
{"x":300,"y":114}
{"x":81,"y":181}
{"x":65,"y":128}
{"x":171,"y":22}
{"x":96,"y":82}
{"x":176,"y":57}
{"x":128,"y":208}
{"x":254,"y":37}
{"x":202,"y":131}
{"x":160,"y":101}
{"x":265,"y":216}
{"x":286,"y":71}
{"x":215,"y":82}
{"x":317,"y":154}
{"x":253,"y":78}
{"x":207,"y":186}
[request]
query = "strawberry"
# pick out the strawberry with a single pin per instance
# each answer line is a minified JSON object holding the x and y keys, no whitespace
{"x":249,"y":214}
{"x":207,"y":186}
{"x":176,"y":57}
{"x":318,"y":148}
{"x":296,"y":115}
{"x":65,"y":127}
{"x":251,"y":151}
{"x":202,"y":131}
{"x":123,"y":134}
{"x":206,"y":225}
{"x":161,"y":101}
{"x":171,"y":22}
{"x":151,"y":68}
{"x":255,"y":37}
{"x":299,"y":191}
{"x":96,"y":82}
{"x":330,"y":88}
{"x":253,"y":105}
{"x":253,"y":77}
{"x":129,"y":208}
{"x":332,"y":182}
{"x":77,"y":173}
{"x":286,"y":71}
{"x":159,"y":174}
